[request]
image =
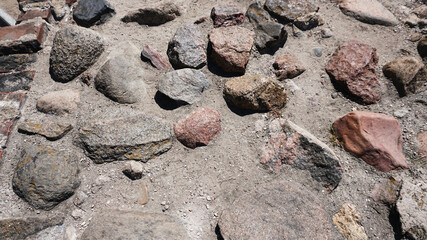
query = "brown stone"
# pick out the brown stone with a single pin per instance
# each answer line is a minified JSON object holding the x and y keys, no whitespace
{"x":225,"y":16}
{"x":287,"y":66}
{"x":59,"y":102}
{"x":157,"y":60}
{"x":50,"y":130}
{"x":349,"y":223}
{"x":352,"y":69}
{"x":376,"y":138}
{"x":33,"y":13}
{"x":422,"y":140}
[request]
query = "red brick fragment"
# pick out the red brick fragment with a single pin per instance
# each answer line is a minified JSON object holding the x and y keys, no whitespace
{"x":33,"y":13}
{"x":24,"y":38}
{"x":6,"y":127}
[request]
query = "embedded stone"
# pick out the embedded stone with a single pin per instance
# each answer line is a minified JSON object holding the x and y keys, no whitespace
{"x":287,"y":66}
{"x":349,"y":222}
{"x":11,"y":82}
{"x":50,"y":130}
{"x":368,"y":11}
{"x":154,"y":16}
{"x":289,"y":10}
{"x":59,"y":102}
{"x":225,"y":16}
{"x":92,"y":12}
{"x":157,"y":60}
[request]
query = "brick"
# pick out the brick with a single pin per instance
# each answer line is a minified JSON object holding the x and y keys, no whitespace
{"x":10,"y":105}
{"x":6,"y":127}
{"x":16,"y":62}
{"x":33,"y":13}
{"x":12,"y":82}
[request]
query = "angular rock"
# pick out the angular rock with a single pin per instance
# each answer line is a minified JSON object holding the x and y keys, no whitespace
{"x":422,"y":141}
{"x":289,"y":10}
{"x":257,"y":92}
{"x":138,"y":138}
{"x":225,"y":16}
{"x":368,"y":11}
{"x":12,"y":82}
{"x":16,"y":62}
{"x":59,"y":102}
{"x":375,"y":138}
{"x":287,"y":66}
{"x":21,"y":228}
{"x":349,"y":222}
{"x":92,"y":12}
{"x":74,"y":50}
{"x":308,"y":21}
{"x":386,"y":191}
{"x":45,"y":177}
{"x":184,"y":86}
{"x":231,"y":48}
{"x":408,"y":74}
{"x":157,"y":60}
{"x":133,"y":170}
{"x":154,"y":16}
{"x":50,"y":130}
{"x":278,"y":210}
{"x":289,"y":144}
{"x":198,"y":128}
{"x":422,"y":47}
{"x":352,"y":69}
{"x":45,"y":14}
{"x":187,"y":48}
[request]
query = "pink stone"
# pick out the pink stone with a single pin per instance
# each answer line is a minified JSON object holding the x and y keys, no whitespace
{"x":155,"y":58}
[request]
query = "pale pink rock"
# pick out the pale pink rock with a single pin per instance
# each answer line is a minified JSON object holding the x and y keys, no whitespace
{"x":59,"y":102}
{"x":368,"y":11}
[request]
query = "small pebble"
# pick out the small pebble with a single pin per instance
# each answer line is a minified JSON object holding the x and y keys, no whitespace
{"x":327,"y":33}
{"x":334,"y":95}
{"x":318,"y":52}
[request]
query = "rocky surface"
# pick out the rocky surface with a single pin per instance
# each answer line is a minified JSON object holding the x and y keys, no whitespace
{"x":154,"y":16}
{"x":11,"y":82}
{"x":422,"y":139}
{"x":24,"y":38}
{"x":287,"y":66}
{"x":90,"y":12}
{"x":59,"y":102}
{"x":21,"y":228}
{"x":50,"y":130}
{"x":16,"y":62}
{"x":369,"y":11}
{"x":289,"y":10}
{"x":386,"y":191}
{"x":349,"y":222}
{"x":225,"y":16}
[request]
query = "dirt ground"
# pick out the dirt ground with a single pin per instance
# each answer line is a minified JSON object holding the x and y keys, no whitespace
{"x":196,"y":185}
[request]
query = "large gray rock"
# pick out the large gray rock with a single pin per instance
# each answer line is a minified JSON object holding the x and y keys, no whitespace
{"x":128,"y":225}
{"x":90,"y":12}
{"x":44,"y":177}
{"x":289,"y":10}
{"x":184,"y":85}
{"x":74,"y":50}
{"x":136,"y":137}
{"x":21,"y":228}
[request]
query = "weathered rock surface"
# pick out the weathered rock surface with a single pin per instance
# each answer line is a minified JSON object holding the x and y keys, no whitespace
{"x":287,"y":66}
{"x":352,"y":69}
{"x":349,"y":223}
{"x":408,"y":74}
{"x":279,"y":210}
{"x":422,"y":47}
{"x":198,"y":128}
{"x":133,"y":170}
{"x":289,"y":10}
{"x":117,"y":224}
{"x":90,"y":12}
{"x":50,"y":130}
{"x":59,"y":102}
{"x":368,"y":11}
{"x":45,"y":177}
{"x":184,"y":86}
{"x":154,"y":16}
{"x":187,"y":49}
{"x":137,"y":137}
{"x":308,"y":21}
{"x":386,"y":191}
{"x":157,"y":60}
{"x":12,"y":82}
{"x":74,"y":50}
{"x":422,"y":143}
{"x":10,"y":105}
{"x":16,"y":62}
{"x":225,"y":16}
{"x":375,"y":138}
{"x":21,"y":228}
{"x":45,"y":14}
{"x":257,"y":92}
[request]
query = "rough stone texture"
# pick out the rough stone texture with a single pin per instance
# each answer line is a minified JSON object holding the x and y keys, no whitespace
{"x":184,"y":85}
{"x":308,"y":21}
{"x":198,"y":128}
{"x":422,"y":143}
{"x":27,"y":5}
{"x":287,"y":143}
{"x":154,"y":16}
{"x":349,"y":223}
{"x":34,"y":13}
{"x":287,"y":66}
{"x":278,"y":210}
{"x":11,"y":82}
{"x":157,"y":60}
{"x":74,"y":50}
{"x":138,"y":138}
{"x":386,"y":191}
{"x":45,"y":177}
{"x":92,"y":12}
{"x":412,"y":209}
{"x":59,"y":102}
{"x":408,"y":74}
{"x":187,"y":48}
{"x":133,"y":170}
{"x":368,"y":11}
{"x":422,"y":47}
{"x":225,"y":16}
{"x":117,"y":224}
{"x":289,"y":10}
{"x":21,"y":228}
{"x":50,"y":130}
{"x":231,"y":48}
{"x":257,"y":92}
{"x":6,"y":127}
{"x":10,"y":105}
{"x":376,"y":138}
{"x":16,"y":62}
{"x":352,"y":69}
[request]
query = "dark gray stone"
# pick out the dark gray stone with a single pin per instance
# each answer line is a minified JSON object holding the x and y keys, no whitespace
{"x":154,"y":16}
{"x":21,"y":228}
{"x":12,"y":82}
{"x":90,"y":12}
{"x":16,"y":62}
{"x":289,"y":10}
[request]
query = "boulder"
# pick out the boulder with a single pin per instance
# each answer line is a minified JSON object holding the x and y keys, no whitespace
{"x":289,"y":10}
{"x":154,"y":16}
{"x":59,"y":102}
{"x":92,"y":12}
{"x":368,"y":11}
{"x":225,"y":16}
{"x":287,"y":66}
{"x":50,"y":130}
{"x":349,"y":222}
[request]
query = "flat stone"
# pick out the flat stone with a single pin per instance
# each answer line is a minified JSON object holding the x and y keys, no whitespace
{"x":50,"y":130}
{"x":92,"y":12}
{"x":16,"y":62}
{"x":157,"y":60}
{"x":386,"y":191}
{"x":368,"y":11}
{"x":74,"y":50}
{"x":308,"y":21}
{"x":154,"y":16}
{"x":44,"y":177}
{"x":352,"y":69}
{"x":34,"y":13}
{"x":143,"y":196}
{"x":59,"y":102}
{"x":287,"y":66}
{"x":138,"y":138}
{"x":133,"y":170}
{"x":422,"y":143}
{"x":11,"y":82}
{"x":349,"y":222}
{"x":21,"y":228}
{"x":289,"y":10}
{"x":374,"y":137}
{"x":225,"y":16}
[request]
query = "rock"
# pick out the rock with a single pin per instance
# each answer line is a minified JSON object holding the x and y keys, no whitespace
{"x":422,"y":47}
{"x":413,"y":210}
{"x":368,"y":11}
{"x":118,"y":224}
{"x":225,"y":16}
{"x":278,"y":210}
{"x":270,"y":35}
{"x":137,"y":137}
{"x":287,"y":66}
{"x":184,"y":86}
{"x":10,"y":105}
{"x":12,"y":82}
{"x":92,"y":12}
{"x":16,"y":62}
{"x":375,"y":138}
{"x":288,"y":143}
{"x":257,"y":92}
{"x":318,"y":51}
{"x":59,"y":9}
{"x":45,"y":14}
{"x":421,"y":11}
{"x":407,"y":73}
{"x":187,"y":48}
{"x":133,"y":170}
{"x":400,"y":113}
{"x":79,"y":198}
{"x":327,"y":33}
{"x":21,"y":228}
{"x":74,"y":50}
{"x":59,"y":102}
{"x":231,"y":48}
{"x":50,"y":130}
{"x":422,"y":140}
{"x":143,"y":196}
{"x":290,"y":10}
{"x":352,"y":69}
{"x":349,"y":222}
{"x":45,"y":177}
{"x":386,"y":191}
{"x":198,"y":128}
{"x":308,"y":21}
{"x":157,"y":60}
{"x":154,"y":16}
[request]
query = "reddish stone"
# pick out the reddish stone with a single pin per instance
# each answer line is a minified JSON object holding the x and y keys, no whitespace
{"x":155,"y":58}
{"x":422,"y":139}
{"x":225,"y":16}
{"x":198,"y":128}
{"x":375,"y":138}
{"x":287,"y":66}
{"x":6,"y":127}
{"x":10,"y":105}
{"x":352,"y":69}
{"x":33,"y":13}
